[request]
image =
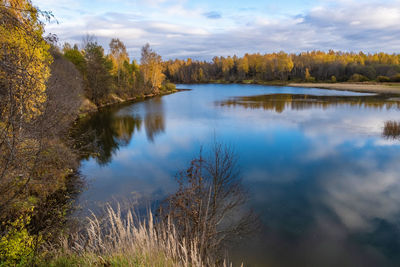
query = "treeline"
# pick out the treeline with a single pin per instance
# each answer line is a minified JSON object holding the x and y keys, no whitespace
{"x":309,"y":67}
{"x":114,"y":77}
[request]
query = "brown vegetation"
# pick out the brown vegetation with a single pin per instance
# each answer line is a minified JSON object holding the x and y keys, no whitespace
{"x":209,"y":207}
{"x":358,"y":87}
{"x":391,"y":130}
{"x":129,"y":241}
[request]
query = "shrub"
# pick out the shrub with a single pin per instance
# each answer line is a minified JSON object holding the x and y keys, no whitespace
{"x":168,"y":87}
{"x":358,"y":78}
{"x":395,"y":78}
{"x":383,"y":79}
{"x":308,"y":76}
{"x":333,"y":79}
{"x":310,"y":79}
{"x":209,"y":206}
{"x":17,"y":245}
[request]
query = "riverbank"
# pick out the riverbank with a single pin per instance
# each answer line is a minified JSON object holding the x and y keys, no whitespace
{"x":88,"y":107}
{"x":357,"y":87}
{"x":366,"y":87}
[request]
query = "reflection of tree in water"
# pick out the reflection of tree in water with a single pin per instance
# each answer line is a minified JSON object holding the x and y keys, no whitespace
{"x":101,"y":134}
{"x":280,"y":102}
{"x":154,"y":118}
{"x":391,"y":130}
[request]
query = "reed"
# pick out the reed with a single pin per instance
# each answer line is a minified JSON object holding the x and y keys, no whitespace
{"x":119,"y":239}
{"x":391,"y":130}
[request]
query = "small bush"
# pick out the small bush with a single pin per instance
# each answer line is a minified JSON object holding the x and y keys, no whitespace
{"x":310,"y":79}
{"x":358,"y":78}
{"x":333,"y":79}
{"x":17,"y":246}
{"x":168,"y":87}
{"x":395,"y":78}
{"x":383,"y":79}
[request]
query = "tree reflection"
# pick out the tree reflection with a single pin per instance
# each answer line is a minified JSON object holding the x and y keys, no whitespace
{"x":154,"y":118}
{"x":280,"y":102}
{"x":101,"y":134}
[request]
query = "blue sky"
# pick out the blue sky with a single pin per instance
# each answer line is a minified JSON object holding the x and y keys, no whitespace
{"x":203,"y":29}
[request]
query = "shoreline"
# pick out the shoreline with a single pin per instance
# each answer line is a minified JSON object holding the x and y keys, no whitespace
{"x":139,"y":98}
{"x":367,"y":87}
{"x":92,"y":108}
{"x":356,"y":87}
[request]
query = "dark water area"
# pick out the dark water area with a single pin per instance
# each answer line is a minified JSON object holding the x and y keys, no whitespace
{"x":321,"y":174}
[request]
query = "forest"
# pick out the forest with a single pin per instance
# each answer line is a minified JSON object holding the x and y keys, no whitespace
{"x":314,"y":66}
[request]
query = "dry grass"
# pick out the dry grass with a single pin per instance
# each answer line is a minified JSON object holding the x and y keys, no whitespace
{"x":391,"y":130}
{"x":358,"y":87}
{"x":125,"y":240}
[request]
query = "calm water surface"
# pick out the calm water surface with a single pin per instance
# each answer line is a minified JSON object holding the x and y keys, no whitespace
{"x":323,"y":179}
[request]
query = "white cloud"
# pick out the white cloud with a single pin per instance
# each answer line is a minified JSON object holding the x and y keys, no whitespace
{"x":182,"y":30}
{"x":357,"y":198}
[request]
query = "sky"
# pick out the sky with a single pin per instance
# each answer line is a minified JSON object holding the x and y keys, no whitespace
{"x":207,"y":28}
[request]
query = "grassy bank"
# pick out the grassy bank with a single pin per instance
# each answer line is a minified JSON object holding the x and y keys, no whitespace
{"x":369,"y":87}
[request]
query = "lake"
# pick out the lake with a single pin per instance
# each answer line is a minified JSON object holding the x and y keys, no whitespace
{"x":320,"y":174}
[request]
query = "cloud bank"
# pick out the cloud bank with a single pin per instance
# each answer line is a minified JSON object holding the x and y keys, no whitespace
{"x":181,"y":29}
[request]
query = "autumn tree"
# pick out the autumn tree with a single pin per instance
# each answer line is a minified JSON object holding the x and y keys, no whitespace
{"x":76,"y":57}
{"x":39,"y":98}
{"x":121,"y":69}
{"x":151,"y":68}
{"x":24,"y":70}
{"x":98,"y":73}
{"x":243,"y":68}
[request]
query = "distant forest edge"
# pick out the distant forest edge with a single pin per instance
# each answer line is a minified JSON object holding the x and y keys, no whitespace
{"x":314,"y":66}
{"x":114,"y":77}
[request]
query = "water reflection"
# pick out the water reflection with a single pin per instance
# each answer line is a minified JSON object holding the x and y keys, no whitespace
{"x":101,"y":134}
{"x":154,"y":118}
{"x":391,"y":130}
{"x":320,"y":172}
{"x":280,"y":102}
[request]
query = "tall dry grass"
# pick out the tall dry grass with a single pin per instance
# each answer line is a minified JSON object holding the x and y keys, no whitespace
{"x":391,"y":130}
{"x":125,"y":240}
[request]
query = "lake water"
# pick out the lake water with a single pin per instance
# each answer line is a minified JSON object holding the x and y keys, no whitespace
{"x":320,"y":174}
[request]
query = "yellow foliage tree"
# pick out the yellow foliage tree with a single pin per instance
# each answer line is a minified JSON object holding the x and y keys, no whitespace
{"x":152,"y":69}
{"x":24,"y":71}
{"x":24,"y":60}
{"x":119,"y":56}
